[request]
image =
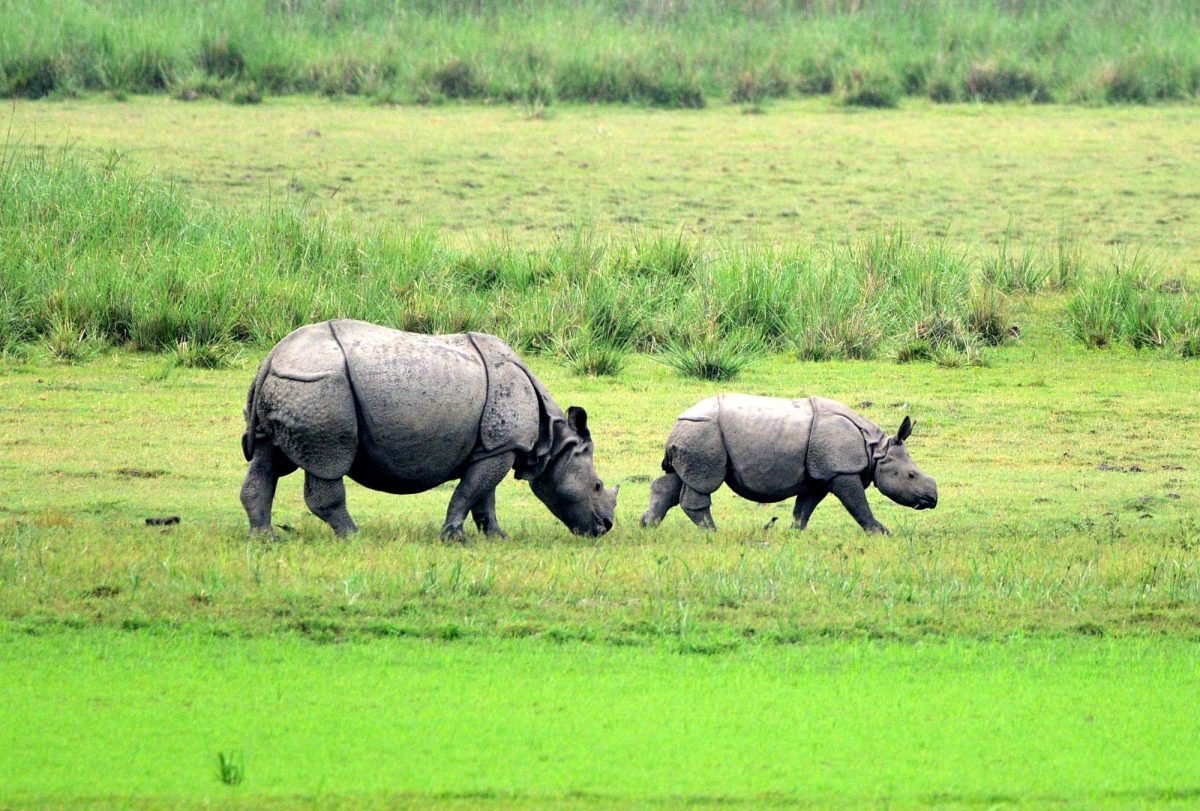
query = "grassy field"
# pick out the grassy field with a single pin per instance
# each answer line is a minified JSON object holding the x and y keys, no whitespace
{"x":1068,"y":504}
{"x":657,"y":52}
{"x":139,"y":720}
{"x":162,"y":271}
{"x":805,"y":171}
{"x":1031,"y":642}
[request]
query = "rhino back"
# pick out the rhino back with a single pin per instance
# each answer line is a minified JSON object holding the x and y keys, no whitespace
{"x":420,"y":399}
{"x":767,"y":442}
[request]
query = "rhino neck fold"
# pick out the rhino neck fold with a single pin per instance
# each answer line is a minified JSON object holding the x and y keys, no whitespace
{"x":501,"y":368}
{"x":863,"y":425}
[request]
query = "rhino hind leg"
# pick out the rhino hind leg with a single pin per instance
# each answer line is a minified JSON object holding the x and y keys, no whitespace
{"x":805,"y":504}
{"x":327,"y":500}
{"x":696,"y":452}
{"x":476,"y":488}
{"x":695,"y":506}
{"x":313,"y":422}
{"x":664,"y":494}
{"x":848,"y":488}
{"x":267,"y":465}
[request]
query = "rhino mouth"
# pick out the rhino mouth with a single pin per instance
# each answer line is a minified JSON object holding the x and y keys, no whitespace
{"x":925,"y":503}
{"x":600,"y":525}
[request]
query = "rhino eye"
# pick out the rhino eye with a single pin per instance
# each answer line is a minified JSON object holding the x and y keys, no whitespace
{"x":912,"y":475}
{"x":598,"y":487}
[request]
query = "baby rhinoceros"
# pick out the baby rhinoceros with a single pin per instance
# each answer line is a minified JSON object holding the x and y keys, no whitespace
{"x":402,"y":413}
{"x":768,"y":449}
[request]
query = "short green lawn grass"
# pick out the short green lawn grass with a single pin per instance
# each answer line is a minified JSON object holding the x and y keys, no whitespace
{"x":105,"y":718}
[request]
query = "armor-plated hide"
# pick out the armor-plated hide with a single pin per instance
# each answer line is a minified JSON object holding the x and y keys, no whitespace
{"x":768,"y":449}
{"x":402,"y":413}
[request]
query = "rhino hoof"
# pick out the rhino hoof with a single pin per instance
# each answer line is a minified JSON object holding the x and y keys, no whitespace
{"x":454,"y":535}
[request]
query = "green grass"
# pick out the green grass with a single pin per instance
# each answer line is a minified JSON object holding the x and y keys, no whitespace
{"x":1067,"y":506}
{"x":1030,"y":642}
{"x":643,"y":52}
{"x":527,"y":723}
{"x":95,"y":254}
{"x":1093,"y":179}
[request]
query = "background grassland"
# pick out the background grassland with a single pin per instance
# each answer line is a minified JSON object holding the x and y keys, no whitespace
{"x":673,"y":54}
{"x":806,"y":171}
{"x":96,"y":254}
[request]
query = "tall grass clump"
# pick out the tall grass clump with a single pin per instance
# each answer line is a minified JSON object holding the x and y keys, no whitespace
{"x":231,"y":768}
{"x":1128,"y":303}
{"x":869,"y":88}
{"x":67,"y":341}
{"x":710,"y":353}
{"x":990,"y":82}
{"x":1068,"y":263}
{"x":588,"y":356}
{"x":1020,"y":271}
{"x":92,"y":255}
{"x":670,"y":54}
{"x":1188,"y":339}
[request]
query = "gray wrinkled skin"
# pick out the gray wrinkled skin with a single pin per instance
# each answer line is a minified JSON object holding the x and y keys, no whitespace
{"x":768,"y":449}
{"x":402,"y":413}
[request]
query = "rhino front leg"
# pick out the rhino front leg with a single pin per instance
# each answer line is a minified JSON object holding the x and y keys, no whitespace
{"x":805,"y":505}
{"x":475,"y":485}
{"x":695,"y":506}
{"x":664,"y":494}
{"x":850,"y":491}
{"x":327,"y":500}
{"x":484,"y":513}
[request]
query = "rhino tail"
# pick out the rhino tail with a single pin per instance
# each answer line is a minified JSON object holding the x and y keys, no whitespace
{"x":666,"y":463}
{"x":251,"y":412}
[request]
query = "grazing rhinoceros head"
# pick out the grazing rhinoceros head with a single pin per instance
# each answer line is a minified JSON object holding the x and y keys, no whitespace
{"x":569,"y":485}
{"x":897,"y":476}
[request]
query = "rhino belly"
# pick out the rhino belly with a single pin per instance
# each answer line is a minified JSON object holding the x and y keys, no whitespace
{"x":420,"y":399}
{"x":766,"y":440}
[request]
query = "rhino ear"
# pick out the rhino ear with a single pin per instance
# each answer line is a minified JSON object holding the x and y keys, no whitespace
{"x":577,"y":419}
{"x":905,"y":429}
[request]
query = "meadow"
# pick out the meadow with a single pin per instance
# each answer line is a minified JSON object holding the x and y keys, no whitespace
{"x":163,"y":272}
{"x":808,"y":171}
{"x":1030,"y":642}
{"x":137,"y":720}
{"x":647,"y":52}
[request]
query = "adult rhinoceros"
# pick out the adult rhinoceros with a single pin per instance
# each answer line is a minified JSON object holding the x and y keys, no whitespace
{"x":402,"y":413}
{"x":768,"y":449}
